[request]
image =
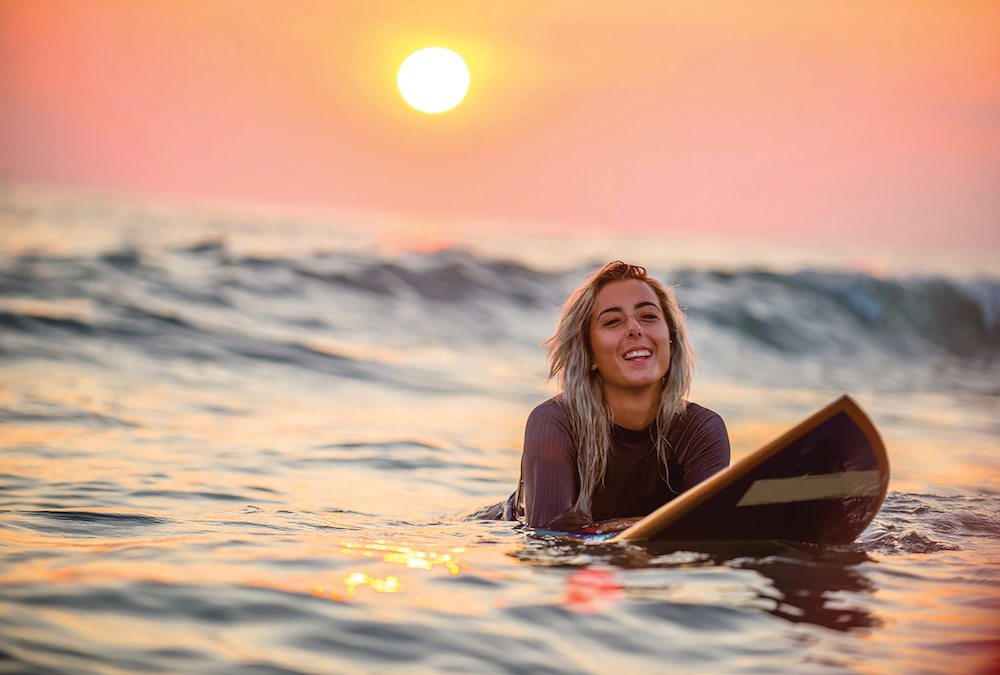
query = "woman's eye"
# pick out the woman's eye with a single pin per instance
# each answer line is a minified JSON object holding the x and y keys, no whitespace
{"x":611,"y":322}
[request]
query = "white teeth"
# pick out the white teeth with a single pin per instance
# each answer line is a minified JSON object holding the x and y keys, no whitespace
{"x":637,"y":353}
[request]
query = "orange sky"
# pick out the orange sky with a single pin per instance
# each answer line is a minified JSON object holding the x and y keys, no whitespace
{"x":810,"y":120}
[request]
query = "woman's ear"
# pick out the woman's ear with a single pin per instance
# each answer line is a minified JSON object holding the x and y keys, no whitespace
{"x":593,"y":365}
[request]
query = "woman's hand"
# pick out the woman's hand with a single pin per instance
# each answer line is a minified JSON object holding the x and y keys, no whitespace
{"x":610,"y":526}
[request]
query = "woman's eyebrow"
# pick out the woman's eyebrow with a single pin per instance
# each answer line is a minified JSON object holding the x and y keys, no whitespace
{"x":638,"y":305}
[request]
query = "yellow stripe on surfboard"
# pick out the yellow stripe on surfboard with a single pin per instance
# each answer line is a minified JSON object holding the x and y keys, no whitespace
{"x":806,"y":488}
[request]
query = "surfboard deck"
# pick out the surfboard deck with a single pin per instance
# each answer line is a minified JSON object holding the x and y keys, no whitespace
{"x":821,"y":482}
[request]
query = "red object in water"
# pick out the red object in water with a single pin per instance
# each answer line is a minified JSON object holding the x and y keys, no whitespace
{"x":592,"y":589}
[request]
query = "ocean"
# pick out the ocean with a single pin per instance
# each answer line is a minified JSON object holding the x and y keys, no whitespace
{"x":236,"y":442}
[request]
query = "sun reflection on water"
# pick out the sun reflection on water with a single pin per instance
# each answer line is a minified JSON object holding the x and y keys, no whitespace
{"x":390,"y":584}
{"x":404,"y":554}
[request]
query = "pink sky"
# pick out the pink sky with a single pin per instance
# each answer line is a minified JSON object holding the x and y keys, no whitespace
{"x":816,"y":121}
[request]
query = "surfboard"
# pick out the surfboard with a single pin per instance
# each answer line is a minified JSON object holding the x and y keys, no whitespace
{"x":823,"y":481}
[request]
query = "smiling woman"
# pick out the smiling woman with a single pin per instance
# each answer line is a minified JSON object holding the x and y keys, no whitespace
{"x":620,"y":440}
{"x":433,"y":80}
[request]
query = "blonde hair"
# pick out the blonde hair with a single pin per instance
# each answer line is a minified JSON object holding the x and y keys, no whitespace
{"x":570,"y":357}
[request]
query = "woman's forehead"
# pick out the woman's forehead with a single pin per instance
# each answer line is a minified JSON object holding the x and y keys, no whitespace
{"x":625,"y":293}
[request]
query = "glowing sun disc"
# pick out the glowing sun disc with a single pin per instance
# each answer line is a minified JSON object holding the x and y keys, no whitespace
{"x":433,"y":80}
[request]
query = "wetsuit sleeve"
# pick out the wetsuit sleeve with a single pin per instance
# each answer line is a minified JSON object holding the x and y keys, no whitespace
{"x":706,"y":444}
{"x":548,"y":466}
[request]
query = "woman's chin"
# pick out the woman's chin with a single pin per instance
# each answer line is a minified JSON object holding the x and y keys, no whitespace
{"x":637,"y":381}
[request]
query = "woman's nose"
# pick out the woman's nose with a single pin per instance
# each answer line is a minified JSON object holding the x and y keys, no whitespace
{"x":633,"y":328}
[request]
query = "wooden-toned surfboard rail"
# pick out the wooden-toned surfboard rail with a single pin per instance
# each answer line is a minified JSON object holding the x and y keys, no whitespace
{"x":674,"y":509}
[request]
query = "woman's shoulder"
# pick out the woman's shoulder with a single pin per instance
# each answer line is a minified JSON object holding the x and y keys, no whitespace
{"x":551,"y":411}
{"x":548,"y":430}
{"x":699,"y":414}
{"x":697,"y":421}
{"x":701,"y":442}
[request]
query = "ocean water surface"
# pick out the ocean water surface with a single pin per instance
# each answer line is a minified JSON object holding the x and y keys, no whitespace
{"x":238,"y":445}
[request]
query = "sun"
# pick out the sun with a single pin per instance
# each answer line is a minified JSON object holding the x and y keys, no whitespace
{"x":433,"y":80}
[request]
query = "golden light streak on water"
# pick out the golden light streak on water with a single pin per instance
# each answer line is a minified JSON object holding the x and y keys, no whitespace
{"x":431,"y":563}
{"x":390,"y":584}
{"x":18,"y":435}
{"x":406,"y":555}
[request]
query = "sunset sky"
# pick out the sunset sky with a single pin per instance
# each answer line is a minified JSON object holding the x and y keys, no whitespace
{"x":802,"y":120}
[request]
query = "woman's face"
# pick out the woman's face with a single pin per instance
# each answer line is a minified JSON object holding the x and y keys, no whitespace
{"x":629,"y":336}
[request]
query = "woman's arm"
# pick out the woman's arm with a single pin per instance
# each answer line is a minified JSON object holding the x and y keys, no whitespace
{"x":548,"y":467}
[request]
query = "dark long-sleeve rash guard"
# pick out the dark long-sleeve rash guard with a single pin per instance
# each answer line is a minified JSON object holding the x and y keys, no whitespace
{"x":635,"y":482}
